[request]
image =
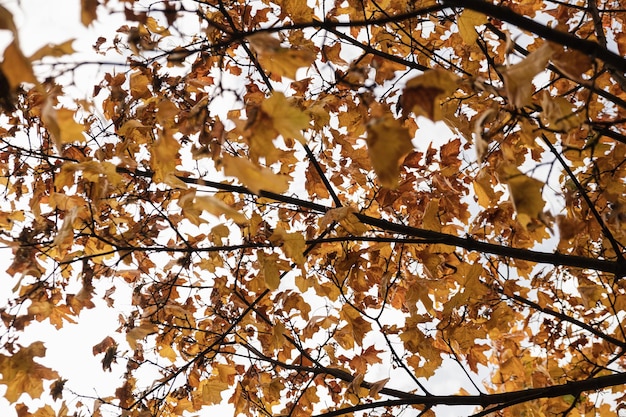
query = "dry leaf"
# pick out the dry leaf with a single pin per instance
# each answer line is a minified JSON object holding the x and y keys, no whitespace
{"x":255,"y":177}
{"x":388,"y":142}
{"x":518,"y":78}
{"x":423,"y":94}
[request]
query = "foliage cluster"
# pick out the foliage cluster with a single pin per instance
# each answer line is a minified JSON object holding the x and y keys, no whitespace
{"x":253,"y":192}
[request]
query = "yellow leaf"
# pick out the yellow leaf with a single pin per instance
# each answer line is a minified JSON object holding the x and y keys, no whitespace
{"x":61,"y":125}
{"x":277,"y":60}
{"x":271,"y":273}
{"x":288,"y":120}
{"x":254,"y":177}
{"x":518,"y":78}
{"x":16,"y":67}
{"x":525,"y":193}
{"x":53,"y":50}
{"x":217,"y":207}
{"x":166,"y":351}
{"x":557,"y":113}
{"x":21,"y":374}
{"x":293,"y":244}
{"x":388,"y":142}
{"x":211,"y":390}
{"x":423,"y":94}
{"x":377,"y":386}
{"x":467,"y":23}
{"x":139,"y":333}
{"x":88,"y":11}
{"x":345,"y":216}
{"x":164,"y":156}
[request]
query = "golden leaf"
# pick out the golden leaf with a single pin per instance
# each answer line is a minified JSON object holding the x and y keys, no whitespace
{"x":518,"y":78}
{"x":387,"y":143}
{"x":139,"y":333}
{"x":571,"y":62}
{"x":277,"y":60}
{"x":193,"y":206}
{"x":525,"y":193}
{"x":345,"y":216}
{"x":53,"y":50}
{"x":293,"y":244}
{"x":467,"y":23}
{"x":6,"y":21}
{"x":288,"y":120}
{"x":557,"y":113}
{"x":211,"y":390}
{"x":271,"y":273}
{"x":164,"y":156}
{"x":16,"y":67}
{"x":88,"y":11}
{"x":61,"y":125}
{"x":21,"y":374}
{"x":423,"y":94}
{"x":255,"y":177}
{"x":377,"y":386}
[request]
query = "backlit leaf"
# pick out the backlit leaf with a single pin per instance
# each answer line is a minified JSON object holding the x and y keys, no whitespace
{"x":424,"y":93}
{"x":518,"y":78}
{"x":254,"y":177}
{"x":21,"y":374}
{"x":53,"y":50}
{"x":16,"y":67}
{"x":388,"y":142}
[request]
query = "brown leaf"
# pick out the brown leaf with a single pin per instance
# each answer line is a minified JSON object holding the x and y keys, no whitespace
{"x":388,"y":141}
{"x":16,"y":67}
{"x":423,"y":94}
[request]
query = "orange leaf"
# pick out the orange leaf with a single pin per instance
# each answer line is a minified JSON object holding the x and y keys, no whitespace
{"x":518,"y":78}
{"x":16,"y":67}
{"x":423,"y":94}
{"x":21,"y":374}
{"x":255,"y":177}
{"x":387,"y":143}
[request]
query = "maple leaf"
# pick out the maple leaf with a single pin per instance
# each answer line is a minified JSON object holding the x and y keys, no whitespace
{"x":277,"y":60}
{"x":21,"y":374}
{"x":518,"y":78}
{"x":254,"y":177}
{"x":467,"y":22}
{"x":16,"y":67}
{"x":53,"y":50}
{"x":88,"y":11}
{"x":422,"y":95}
{"x":526,"y":193}
{"x":61,"y":125}
{"x":387,"y":143}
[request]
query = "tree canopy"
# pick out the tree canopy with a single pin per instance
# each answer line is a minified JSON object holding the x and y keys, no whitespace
{"x":262,"y":191}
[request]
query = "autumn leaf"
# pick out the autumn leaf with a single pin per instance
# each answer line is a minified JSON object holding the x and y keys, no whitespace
{"x":518,"y":78}
{"x":194,"y":205}
{"x":467,"y":22}
{"x":88,"y":11}
{"x":53,"y":50}
{"x":21,"y":374}
{"x":526,"y":194}
{"x":254,"y":177}
{"x":422,"y":95}
{"x":288,"y":120}
{"x":388,"y":142}
{"x":16,"y":67}
{"x":293,"y":244}
{"x":61,"y":125}
{"x":278,"y":60}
